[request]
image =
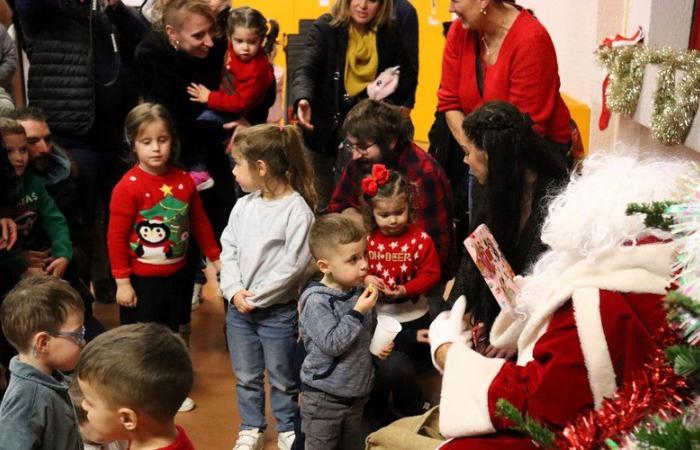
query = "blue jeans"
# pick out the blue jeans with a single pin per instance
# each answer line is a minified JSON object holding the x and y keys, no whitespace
{"x":264,"y":338}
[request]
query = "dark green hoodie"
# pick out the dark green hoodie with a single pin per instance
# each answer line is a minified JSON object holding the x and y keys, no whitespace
{"x":36,"y":205}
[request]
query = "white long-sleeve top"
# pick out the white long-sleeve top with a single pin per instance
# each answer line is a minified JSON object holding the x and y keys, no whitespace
{"x":265,"y":248}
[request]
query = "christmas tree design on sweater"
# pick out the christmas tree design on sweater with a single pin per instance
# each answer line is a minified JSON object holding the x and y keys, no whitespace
{"x":162,"y":231}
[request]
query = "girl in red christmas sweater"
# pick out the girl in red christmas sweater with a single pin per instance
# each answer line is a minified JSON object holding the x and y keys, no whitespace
{"x":155,"y":209}
{"x":403,"y":265}
{"x":247,"y":89}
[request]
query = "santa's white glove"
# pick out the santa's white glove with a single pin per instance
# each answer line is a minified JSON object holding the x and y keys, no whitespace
{"x":448,"y":326}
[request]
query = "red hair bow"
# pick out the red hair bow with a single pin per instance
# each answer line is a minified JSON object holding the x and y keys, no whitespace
{"x":378,"y":177}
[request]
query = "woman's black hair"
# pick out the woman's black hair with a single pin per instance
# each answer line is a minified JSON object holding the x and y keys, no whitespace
{"x":506,"y":135}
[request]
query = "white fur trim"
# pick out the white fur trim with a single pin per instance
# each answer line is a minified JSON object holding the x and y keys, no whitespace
{"x":589,"y":324}
{"x":464,"y":407}
{"x":643,"y":269}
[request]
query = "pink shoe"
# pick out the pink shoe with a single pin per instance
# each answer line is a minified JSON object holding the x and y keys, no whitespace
{"x":201,"y":179}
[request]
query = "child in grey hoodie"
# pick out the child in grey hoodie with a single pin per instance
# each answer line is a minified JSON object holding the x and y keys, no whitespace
{"x":336,"y":325}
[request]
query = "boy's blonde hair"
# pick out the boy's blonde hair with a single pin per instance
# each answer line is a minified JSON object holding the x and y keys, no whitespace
{"x":331,"y":230}
{"x":37,"y":304}
{"x":282,"y":149}
{"x":142,"y":366}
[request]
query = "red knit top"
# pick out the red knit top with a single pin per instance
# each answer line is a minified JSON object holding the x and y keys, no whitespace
{"x":243,"y":84}
{"x":151,"y":220}
{"x":408,"y":260}
{"x":525,"y":74}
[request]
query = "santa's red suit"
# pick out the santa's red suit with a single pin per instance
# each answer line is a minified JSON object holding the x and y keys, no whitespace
{"x":591,"y":331}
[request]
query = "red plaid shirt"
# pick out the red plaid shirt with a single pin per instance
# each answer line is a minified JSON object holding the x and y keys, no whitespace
{"x":434,"y":205}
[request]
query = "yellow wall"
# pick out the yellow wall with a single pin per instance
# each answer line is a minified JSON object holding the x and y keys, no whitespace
{"x":289,"y":12}
{"x":431,"y":14}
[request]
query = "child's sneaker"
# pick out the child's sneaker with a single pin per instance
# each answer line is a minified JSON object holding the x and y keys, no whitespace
{"x":187,"y":405}
{"x":201,"y":179}
{"x":285,"y":440}
{"x":196,"y":296}
{"x":249,"y":440}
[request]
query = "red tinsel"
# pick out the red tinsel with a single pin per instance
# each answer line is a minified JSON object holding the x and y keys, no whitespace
{"x":657,"y":391}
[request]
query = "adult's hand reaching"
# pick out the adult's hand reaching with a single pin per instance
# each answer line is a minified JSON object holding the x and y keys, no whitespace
{"x":304,"y":114}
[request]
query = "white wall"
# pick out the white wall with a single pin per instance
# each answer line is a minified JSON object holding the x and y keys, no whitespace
{"x":577,"y":27}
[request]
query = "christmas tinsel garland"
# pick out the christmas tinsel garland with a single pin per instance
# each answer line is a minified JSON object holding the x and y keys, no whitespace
{"x":675,"y":102}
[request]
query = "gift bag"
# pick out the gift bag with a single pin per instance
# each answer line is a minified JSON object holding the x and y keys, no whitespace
{"x":409,"y":433}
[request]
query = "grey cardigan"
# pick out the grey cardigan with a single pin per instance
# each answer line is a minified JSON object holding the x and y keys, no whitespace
{"x":336,"y":339}
{"x":36,"y":411}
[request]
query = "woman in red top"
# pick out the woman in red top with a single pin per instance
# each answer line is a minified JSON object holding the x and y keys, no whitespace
{"x":497,"y":51}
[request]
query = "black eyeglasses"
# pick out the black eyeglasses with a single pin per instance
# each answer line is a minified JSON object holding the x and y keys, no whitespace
{"x":76,"y":336}
{"x":360,"y":147}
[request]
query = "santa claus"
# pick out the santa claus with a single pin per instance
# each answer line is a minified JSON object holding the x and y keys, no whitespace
{"x":586,"y":316}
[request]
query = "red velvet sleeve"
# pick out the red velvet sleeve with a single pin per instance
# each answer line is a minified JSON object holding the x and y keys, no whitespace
{"x":534,"y":79}
{"x":448,"y":93}
{"x":249,"y":92}
{"x":202,"y":230}
{"x":122,"y":215}
{"x":428,"y":273}
{"x":552,"y":388}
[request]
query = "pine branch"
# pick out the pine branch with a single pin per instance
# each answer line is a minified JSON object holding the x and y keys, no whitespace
{"x":685,"y":359}
{"x":654,"y":213}
{"x":669,"y":436}
{"x":675,"y":298}
{"x":540,"y":435}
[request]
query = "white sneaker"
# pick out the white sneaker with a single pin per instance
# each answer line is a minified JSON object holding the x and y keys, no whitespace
{"x":285,"y":440}
{"x":196,"y":296}
{"x":187,"y":405}
{"x":249,"y":440}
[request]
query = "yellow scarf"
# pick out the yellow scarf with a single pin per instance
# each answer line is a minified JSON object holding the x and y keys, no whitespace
{"x":361,"y":61}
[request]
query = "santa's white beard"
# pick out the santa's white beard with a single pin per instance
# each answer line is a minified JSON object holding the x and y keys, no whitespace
{"x":587,"y":219}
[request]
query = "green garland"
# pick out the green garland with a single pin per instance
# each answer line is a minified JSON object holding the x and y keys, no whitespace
{"x":675,"y":102}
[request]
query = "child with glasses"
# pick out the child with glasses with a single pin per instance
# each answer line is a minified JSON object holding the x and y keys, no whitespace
{"x":42,"y":317}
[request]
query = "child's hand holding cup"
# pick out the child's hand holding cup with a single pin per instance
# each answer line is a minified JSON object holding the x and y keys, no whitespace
{"x":384,"y":334}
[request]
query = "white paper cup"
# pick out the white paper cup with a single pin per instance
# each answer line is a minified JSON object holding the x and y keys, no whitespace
{"x":386,"y":331}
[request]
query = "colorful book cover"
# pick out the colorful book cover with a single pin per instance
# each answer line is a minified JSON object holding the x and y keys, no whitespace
{"x":483,"y":249}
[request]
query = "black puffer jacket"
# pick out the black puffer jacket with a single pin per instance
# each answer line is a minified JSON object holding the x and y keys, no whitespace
{"x":319,"y":78}
{"x":63,"y":40}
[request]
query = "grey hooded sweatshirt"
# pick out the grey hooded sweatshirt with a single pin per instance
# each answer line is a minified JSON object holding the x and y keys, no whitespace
{"x":336,"y":339}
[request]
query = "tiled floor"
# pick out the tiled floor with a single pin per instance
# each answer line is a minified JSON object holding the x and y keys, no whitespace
{"x":213,"y":423}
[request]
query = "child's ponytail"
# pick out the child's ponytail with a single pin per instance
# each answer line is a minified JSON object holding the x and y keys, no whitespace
{"x":301,"y":173}
{"x":271,"y":37}
{"x":247,"y":17}
{"x":282,"y":149}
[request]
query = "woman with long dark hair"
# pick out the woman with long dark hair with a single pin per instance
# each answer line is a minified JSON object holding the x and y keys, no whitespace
{"x":515,"y":171}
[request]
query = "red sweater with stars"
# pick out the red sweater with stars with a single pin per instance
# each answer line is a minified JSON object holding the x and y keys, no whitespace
{"x":409,"y":260}
{"x":243,"y":85}
{"x":150,"y":223}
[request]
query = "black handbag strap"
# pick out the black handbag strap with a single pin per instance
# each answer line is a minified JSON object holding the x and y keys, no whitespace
{"x":479,"y":66}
